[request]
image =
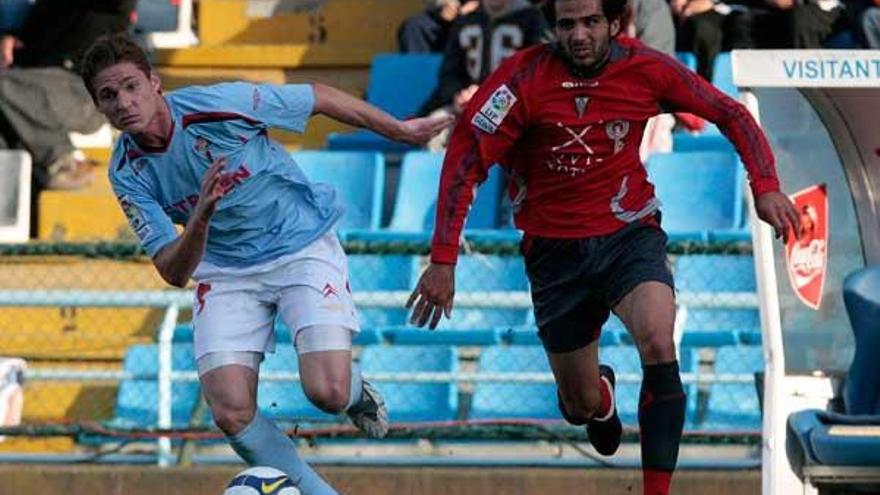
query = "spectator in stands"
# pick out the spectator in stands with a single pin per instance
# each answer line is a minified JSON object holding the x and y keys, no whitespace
{"x":257,"y":236}
{"x":706,"y":28}
{"x":42,"y":99}
{"x":650,"y":21}
{"x":478,"y":43}
{"x":565,"y":121}
{"x":871,"y":25}
{"x":428,"y":31}
{"x":805,"y":23}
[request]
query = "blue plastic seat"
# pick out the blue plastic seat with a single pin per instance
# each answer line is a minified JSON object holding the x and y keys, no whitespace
{"x":514,"y":400}
{"x":722,"y":74}
{"x":713,"y":197}
{"x":13,"y":14}
{"x":716,"y":327}
{"x":359,"y":179}
{"x":488,"y":273}
{"x":861,"y":294}
{"x":374,"y":272}
{"x":137,"y":402}
{"x":416,"y":200}
{"x":409,"y":401}
{"x":687,"y":59}
{"x":156,"y":16}
{"x":456,"y":337}
{"x":399,"y":84}
{"x":735,"y":406}
{"x":528,"y":335}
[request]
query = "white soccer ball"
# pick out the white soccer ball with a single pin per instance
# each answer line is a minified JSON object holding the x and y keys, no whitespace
{"x":261,"y":480}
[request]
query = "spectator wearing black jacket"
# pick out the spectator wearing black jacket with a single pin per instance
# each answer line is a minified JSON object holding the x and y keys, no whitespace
{"x":478,"y":43}
{"x":42,"y":98}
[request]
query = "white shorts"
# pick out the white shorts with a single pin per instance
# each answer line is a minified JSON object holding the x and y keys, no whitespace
{"x":236,"y":311}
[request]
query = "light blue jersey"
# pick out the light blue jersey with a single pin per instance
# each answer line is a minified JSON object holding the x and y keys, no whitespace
{"x":271,"y":208}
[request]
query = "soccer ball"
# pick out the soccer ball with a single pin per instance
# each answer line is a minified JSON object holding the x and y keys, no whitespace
{"x":261,"y":480}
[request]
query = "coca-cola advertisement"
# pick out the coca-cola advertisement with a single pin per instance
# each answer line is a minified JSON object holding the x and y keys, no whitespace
{"x":807,"y":256}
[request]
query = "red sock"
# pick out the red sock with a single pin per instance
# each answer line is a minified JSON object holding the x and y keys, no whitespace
{"x":605,"y":399}
{"x":656,"y":482}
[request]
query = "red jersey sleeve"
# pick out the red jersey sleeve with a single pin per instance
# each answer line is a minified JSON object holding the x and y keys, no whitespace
{"x":683,"y":90}
{"x":491,"y":124}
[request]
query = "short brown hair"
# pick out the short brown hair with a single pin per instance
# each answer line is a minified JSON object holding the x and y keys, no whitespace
{"x":110,"y":50}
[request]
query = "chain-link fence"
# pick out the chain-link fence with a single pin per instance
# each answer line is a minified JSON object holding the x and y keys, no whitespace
{"x":106,"y":348}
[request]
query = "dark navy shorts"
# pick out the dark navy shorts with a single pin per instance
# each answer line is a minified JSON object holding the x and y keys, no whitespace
{"x":576,"y":282}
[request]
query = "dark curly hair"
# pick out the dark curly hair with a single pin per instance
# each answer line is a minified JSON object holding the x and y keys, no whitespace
{"x":110,"y":50}
{"x":612,"y":9}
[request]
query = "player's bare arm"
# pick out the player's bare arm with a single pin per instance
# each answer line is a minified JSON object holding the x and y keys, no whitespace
{"x":177,"y":261}
{"x":339,"y":105}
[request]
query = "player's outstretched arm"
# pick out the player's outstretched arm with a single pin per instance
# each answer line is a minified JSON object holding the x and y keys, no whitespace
{"x":433,"y":295}
{"x":341,"y":106}
{"x":177,"y":261}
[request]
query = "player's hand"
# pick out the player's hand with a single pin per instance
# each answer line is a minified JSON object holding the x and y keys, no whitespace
{"x":777,"y":209}
{"x":433,"y":295}
{"x":8,"y":45}
{"x":420,"y":131}
{"x":213,"y":189}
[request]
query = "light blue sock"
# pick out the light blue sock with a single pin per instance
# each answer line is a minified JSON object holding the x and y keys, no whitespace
{"x":261,"y":443}
{"x":356,"y":390}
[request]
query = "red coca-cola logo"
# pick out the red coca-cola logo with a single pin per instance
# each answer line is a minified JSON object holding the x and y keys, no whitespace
{"x":807,"y":256}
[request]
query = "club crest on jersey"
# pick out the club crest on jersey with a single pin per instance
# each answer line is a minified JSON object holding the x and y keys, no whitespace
{"x":203,"y":147}
{"x":496,"y":108}
{"x":617,"y":129}
{"x":580,"y":104}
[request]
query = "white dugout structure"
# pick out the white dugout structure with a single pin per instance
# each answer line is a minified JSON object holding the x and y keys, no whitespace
{"x":821,"y":112}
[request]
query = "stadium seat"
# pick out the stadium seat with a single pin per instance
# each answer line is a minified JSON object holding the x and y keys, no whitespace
{"x":735,"y":406}
{"x":409,"y":401}
{"x":15,"y":196}
{"x":687,"y":59}
{"x":722,"y":74}
{"x":528,"y":335}
{"x":457,"y":337}
{"x":713,"y":199}
{"x":861,"y":294}
{"x":137,"y":402}
{"x":165,"y":23}
{"x":493,"y":273}
{"x":13,"y":13}
{"x":416,"y":200}
{"x":714,"y":327}
{"x":375,"y":272}
{"x":399,"y":84}
{"x":514,"y":400}
{"x":359,"y":179}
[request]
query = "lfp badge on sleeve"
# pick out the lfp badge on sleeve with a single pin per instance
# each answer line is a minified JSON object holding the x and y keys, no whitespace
{"x":807,"y":257}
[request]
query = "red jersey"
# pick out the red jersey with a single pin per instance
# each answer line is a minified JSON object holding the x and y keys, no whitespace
{"x":571,"y":144}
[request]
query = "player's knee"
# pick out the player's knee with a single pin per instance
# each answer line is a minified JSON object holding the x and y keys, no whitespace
{"x":582,"y":404}
{"x":657,"y":346}
{"x":331,"y":397}
{"x":232,"y":420}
